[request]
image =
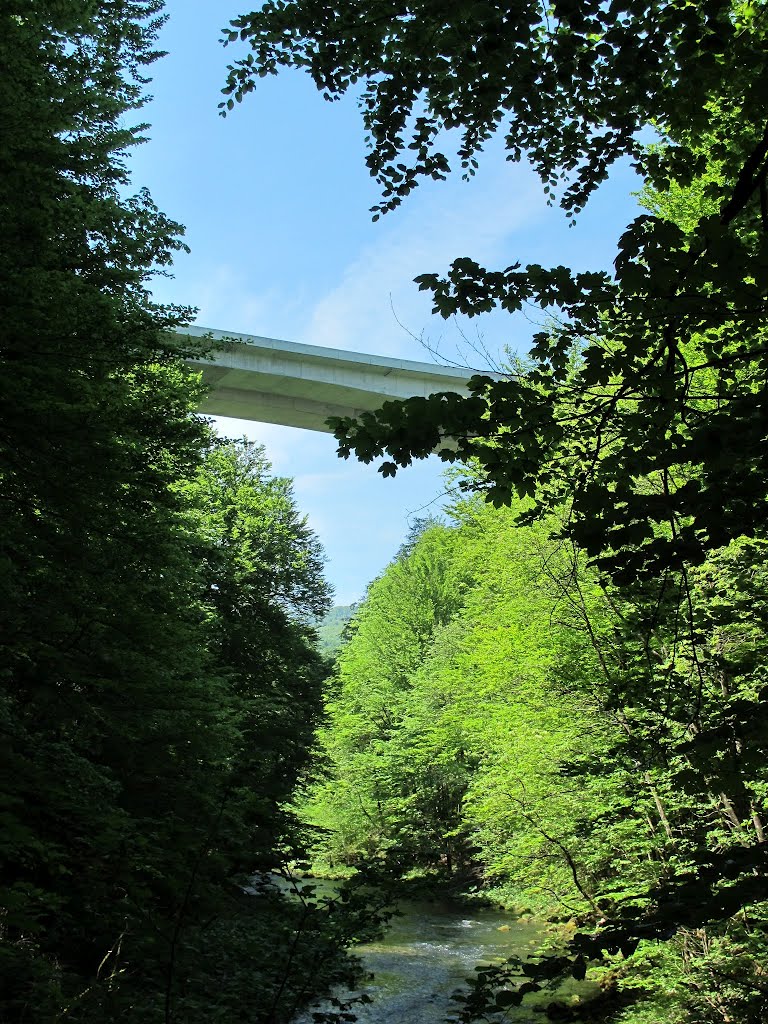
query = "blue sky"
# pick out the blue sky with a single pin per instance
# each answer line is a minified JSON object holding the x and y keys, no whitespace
{"x":275,"y":201}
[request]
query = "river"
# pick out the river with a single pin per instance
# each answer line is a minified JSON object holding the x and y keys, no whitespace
{"x":430,"y":950}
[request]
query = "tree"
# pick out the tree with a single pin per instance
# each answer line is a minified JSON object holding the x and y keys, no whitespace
{"x":393,"y":784}
{"x":665,"y":840}
{"x":133,"y":728}
{"x":262,"y":578}
{"x":98,"y":596}
{"x":668,"y":353}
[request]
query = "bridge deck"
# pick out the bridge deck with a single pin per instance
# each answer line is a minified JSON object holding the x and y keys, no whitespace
{"x":297,"y":385}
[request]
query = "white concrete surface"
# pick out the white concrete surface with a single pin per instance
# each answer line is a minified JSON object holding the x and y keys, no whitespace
{"x":296,"y":385}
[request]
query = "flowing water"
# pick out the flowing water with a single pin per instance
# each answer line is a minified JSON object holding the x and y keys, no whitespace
{"x":429,"y":951}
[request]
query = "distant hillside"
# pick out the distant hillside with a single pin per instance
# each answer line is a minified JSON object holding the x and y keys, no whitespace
{"x":331,"y":627}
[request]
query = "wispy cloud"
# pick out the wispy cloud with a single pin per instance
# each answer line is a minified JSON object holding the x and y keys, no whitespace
{"x":375,"y":304}
{"x":287,"y":447}
{"x":226,"y":298}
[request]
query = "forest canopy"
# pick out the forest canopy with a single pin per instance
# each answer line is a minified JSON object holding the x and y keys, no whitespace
{"x":159,"y":681}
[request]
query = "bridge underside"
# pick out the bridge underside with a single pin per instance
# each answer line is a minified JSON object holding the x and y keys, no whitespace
{"x":296,"y":385}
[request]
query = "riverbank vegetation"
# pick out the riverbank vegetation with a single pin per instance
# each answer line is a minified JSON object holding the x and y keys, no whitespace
{"x":499,"y":715}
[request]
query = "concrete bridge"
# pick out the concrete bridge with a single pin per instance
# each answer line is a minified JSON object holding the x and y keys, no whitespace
{"x":253,"y":378}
